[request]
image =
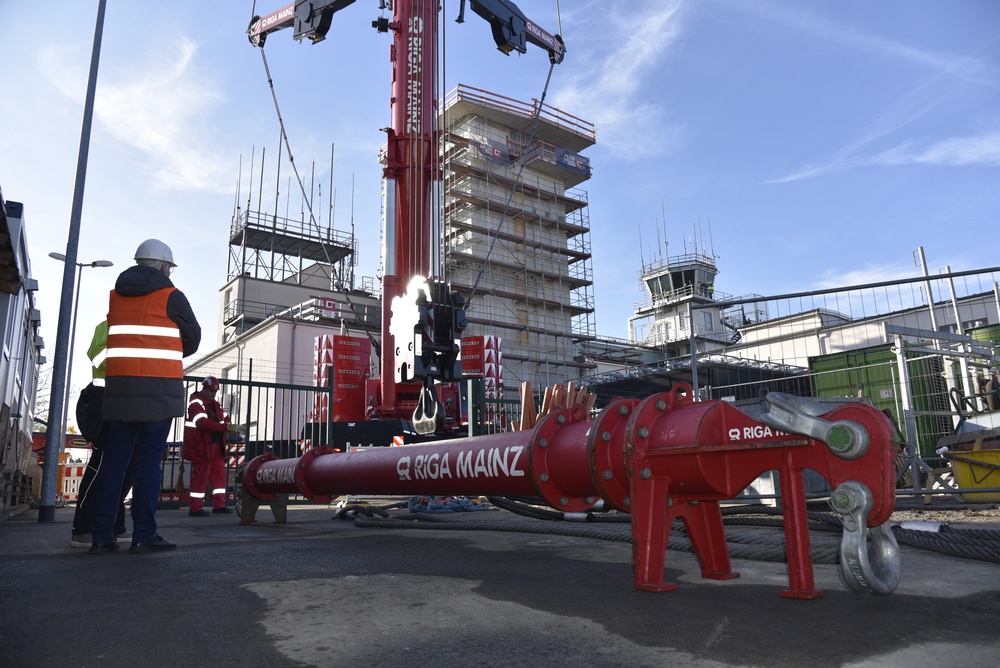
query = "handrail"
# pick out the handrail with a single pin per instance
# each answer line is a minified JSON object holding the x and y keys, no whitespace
{"x":550,"y":114}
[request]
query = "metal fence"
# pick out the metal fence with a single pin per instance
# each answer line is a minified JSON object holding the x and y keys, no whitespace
{"x":284,"y":419}
{"x":922,"y":350}
{"x":919,"y":349}
{"x":278,"y":417}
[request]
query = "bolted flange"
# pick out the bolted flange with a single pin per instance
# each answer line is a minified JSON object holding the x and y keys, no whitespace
{"x":543,"y":447}
{"x":606,"y":452}
{"x":300,"y":474}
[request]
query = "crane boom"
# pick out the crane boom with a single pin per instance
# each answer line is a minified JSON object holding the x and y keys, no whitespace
{"x":512,"y":29}
{"x":310,"y":19}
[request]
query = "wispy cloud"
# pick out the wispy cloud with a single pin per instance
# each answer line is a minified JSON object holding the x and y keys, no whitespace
{"x":982,"y":149}
{"x":607,"y":93}
{"x":966,"y":68}
{"x":159,"y":107}
{"x":870,"y":147}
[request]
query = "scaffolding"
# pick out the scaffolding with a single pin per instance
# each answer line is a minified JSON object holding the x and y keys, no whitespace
{"x":517,"y":231}
{"x":278,"y":261}
{"x":274,"y":248}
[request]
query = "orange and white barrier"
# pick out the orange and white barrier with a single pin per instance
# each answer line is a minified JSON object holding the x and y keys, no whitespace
{"x":72,"y":477}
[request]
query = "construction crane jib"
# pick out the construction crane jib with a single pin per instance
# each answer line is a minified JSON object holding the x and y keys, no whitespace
{"x":664,"y":459}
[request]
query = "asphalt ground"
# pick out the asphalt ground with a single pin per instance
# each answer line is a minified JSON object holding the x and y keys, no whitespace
{"x":319,"y":591}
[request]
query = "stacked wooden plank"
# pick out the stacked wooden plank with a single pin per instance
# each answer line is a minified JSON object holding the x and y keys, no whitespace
{"x":554,"y":398}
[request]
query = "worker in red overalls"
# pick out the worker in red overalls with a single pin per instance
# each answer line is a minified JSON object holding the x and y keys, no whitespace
{"x":206,"y":431}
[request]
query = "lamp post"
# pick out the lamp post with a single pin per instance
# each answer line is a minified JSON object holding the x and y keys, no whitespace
{"x":47,"y":496}
{"x":72,"y":332}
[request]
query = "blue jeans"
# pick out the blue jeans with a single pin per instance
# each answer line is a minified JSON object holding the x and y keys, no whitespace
{"x":146,"y":441}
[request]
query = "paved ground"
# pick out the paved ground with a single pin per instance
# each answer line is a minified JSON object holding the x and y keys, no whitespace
{"x":323,"y":592}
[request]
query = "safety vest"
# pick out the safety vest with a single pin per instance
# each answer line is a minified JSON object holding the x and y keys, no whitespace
{"x":142,"y":340}
{"x":98,"y":353}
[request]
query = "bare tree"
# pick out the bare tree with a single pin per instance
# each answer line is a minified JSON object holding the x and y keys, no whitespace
{"x":42,"y":394}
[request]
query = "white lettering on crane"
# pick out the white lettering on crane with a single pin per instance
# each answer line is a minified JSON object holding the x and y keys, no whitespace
{"x":487,"y":463}
{"x":414,"y":61}
{"x":431,"y":467}
{"x":280,"y":15}
{"x":403,"y":468}
{"x":276,"y":475}
{"x":463,"y":465}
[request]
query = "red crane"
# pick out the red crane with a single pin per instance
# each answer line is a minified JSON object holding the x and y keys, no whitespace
{"x":422,"y":318}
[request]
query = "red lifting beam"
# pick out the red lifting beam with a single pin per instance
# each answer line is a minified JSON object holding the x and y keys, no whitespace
{"x":662,"y":459}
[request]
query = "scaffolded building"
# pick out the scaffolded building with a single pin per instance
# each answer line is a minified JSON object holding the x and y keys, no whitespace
{"x":516,"y":242}
{"x":517,"y":230}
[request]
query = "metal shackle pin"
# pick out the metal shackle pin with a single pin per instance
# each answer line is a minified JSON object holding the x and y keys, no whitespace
{"x":797,"y":415}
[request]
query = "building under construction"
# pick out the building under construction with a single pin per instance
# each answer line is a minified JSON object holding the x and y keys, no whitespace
{"x":516,"y":242}
{"x":517,"y":230}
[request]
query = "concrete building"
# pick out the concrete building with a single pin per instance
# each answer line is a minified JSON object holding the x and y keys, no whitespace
{"x":20,"y":357}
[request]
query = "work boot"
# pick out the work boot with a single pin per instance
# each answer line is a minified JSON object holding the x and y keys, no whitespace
{"x":103,"y":548}
{"x":222,"y":511}
{"x":198,"y":513}
{"x":81,"y":540}
{"x":155,"y":544}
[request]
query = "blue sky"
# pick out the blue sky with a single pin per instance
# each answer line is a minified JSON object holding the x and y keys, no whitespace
{"x":819,"y":143}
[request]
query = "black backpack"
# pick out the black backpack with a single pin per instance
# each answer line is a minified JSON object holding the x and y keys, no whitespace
{"x":89,"y":412}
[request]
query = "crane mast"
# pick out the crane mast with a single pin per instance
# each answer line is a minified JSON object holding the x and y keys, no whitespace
{"x":413,"y":169}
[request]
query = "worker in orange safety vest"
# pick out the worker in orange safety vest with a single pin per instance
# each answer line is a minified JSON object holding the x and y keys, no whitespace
{"x":151,"y":328}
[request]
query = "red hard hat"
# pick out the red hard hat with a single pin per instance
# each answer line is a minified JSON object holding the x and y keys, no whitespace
{"x":210,"y":383}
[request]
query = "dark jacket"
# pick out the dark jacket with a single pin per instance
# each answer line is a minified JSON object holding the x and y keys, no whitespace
{"x":135,"y":399}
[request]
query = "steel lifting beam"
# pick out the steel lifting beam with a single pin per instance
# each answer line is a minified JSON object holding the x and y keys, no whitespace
{"x":662,"y":459}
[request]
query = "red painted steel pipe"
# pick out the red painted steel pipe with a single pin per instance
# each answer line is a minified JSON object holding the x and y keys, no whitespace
{"x":663,"y":459}
{"x":549,"y":461}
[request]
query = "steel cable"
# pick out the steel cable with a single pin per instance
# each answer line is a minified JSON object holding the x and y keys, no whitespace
{"x":961,"y":542}
{"x":308,"y":202}
{"x":981,"y":550}
{"x":741,"y":545}
{"x":988,"y":534}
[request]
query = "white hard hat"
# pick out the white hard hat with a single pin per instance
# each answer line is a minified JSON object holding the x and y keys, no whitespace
{"x":154,"y":249}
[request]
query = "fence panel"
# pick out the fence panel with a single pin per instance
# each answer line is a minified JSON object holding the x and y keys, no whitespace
{"x":921,"y":350}
{"x":278,"y":417}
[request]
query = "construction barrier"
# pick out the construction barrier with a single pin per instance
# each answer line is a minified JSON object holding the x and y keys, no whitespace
{"x":71,"y":477}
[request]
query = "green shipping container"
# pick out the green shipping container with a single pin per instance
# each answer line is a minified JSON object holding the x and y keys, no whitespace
{"x":873,"y":372}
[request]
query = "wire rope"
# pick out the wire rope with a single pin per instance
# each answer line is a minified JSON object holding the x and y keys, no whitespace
{"x":962,"y":542}
{"x":308,"y":201}
{"x":517,"y":179}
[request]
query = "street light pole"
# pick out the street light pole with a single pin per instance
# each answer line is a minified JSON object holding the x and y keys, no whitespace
{"x":72,"y":331}
{"x":47,"y":500}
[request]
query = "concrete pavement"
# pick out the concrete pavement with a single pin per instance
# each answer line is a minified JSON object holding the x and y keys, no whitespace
{"x":322,"y":592}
